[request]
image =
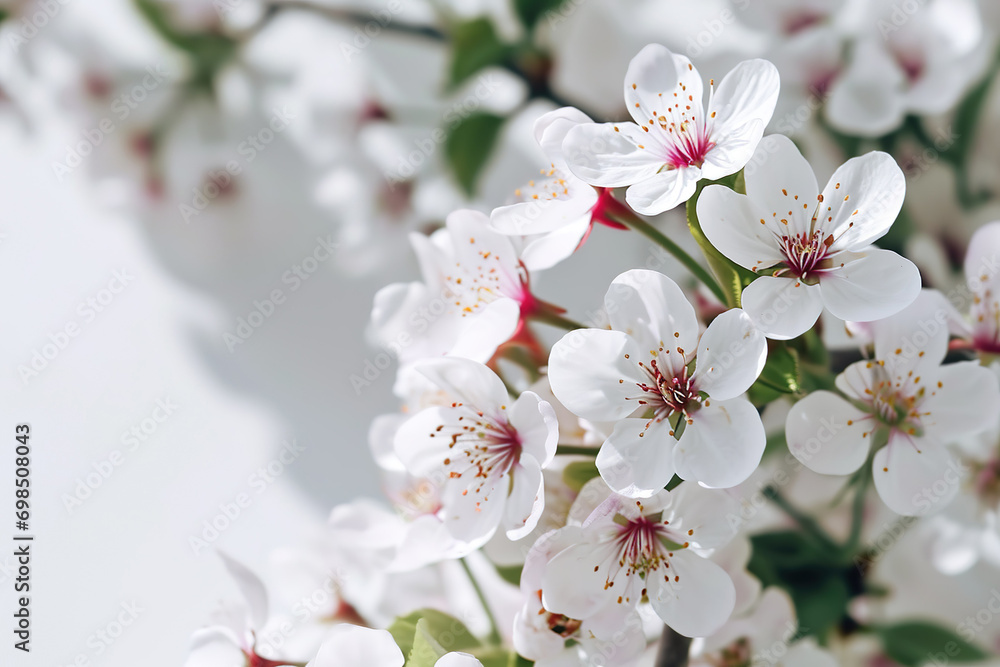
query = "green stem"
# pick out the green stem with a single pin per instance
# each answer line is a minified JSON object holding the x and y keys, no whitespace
{"x":556,"y":320}
{"x":576,"y":450}
{"x":494,"y":637}
{"x":656,"y":236}
{"x":858,"y":510}
{"x":775,"y":387}
{"x":808,"y":524}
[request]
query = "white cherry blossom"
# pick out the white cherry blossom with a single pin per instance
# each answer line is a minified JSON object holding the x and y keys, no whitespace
{"x":968,"y":531}
{"x":556,"y":211}
{"x":556,"y":640}
{"x":488,"y":449}
{"x":232,"y":639}
{"x":982,"y":271}
{"x":472,"y":297}
{"x":908,"y":396}
{"x":675,"y":140}
{"x":677,"y":398}
{"x":913,"y":62}
{"x":813,"y":249}
{"x":630,"y":551}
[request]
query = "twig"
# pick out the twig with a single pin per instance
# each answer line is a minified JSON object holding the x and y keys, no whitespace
{"x":674,"y":649}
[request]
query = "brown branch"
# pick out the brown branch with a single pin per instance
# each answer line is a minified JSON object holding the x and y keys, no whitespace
{"x":674,"y":649}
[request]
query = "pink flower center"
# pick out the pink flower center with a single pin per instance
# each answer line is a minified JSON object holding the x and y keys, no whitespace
{"x":804,"y":252}
{"x":799,"y":21}
{"x":481,"y":446}
{"x":987,"y":482}
{"x":912,"y":64}
{"x":642,"y":547}
{"x":690,"y":145}
{"x":986,"y":327}
{"x":639,"y":547}
{"x":676,"y":392}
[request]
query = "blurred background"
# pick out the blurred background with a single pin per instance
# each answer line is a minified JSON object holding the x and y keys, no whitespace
{"x":201,"y":197}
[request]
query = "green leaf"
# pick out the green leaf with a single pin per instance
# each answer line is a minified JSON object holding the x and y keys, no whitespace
{"x":476,"y":45}
{"x":469,"y":146}
{"x":403,"y":630}
{"x":426,"y":650}
{"x":578,"y":473}
{"x":781,"y":375}
{"x":208,"y":51}
{"x":496,"y":656}
{"x":820,"y":602}
{"x":510,"y":573}
{"x":915,"y":643}
{"x":790,"y":550}
{"x":530,"y":11}
{"x":446,"y":630}
{"x":732,"y":277}
{"x":818,"y":580}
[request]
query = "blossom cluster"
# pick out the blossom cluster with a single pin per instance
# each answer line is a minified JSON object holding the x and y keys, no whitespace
{"x":795,"y":368}
{"x":604,"y":474}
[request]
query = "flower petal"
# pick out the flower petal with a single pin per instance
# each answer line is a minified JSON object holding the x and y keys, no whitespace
{"x":733,"y":152}
{"x":782,"y":308}
{"x":468,"y":382}
{"x":479,"y":336}
{"x":703,"y":516}
{"x":455,"y":659}
{"x":537,"y":426}
{"x":251,"y":588}
{"x":655,"y":74}
{"x":982,"y":273}
{"x":608,"y":155}
{"x":869,"y":286}
{"x":827,"y":434}
{"x":473,"y":237}
{"x":663,"y":191}
{"x":545,"y":251}
{"x":211,"y":647}
{"x":416,"y":442}
{"x":862,"y":200}
{"x":780,"y":182}
{"x":572,"y":585}
{"x":721,"y":445}
{"x":547,"y":213}
{"x":652,"y":309}
{"x":731,"y":222}
{"x":355,"y":645}
{"x":527,"y":498}
{"x":551,"y":129}
{"x":916,"y":338}
{"x":474,"y":506}
{"x":866,"y":99}
{"x":694,"y":596}
{"x":591,"y":373}
{"x":963,"y":399}
{"x":746,"y":94}
{"x":982,"y":260}
{"x":731,"y":355}
{"x":915,"y":477}
{"x":637,"y":461}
